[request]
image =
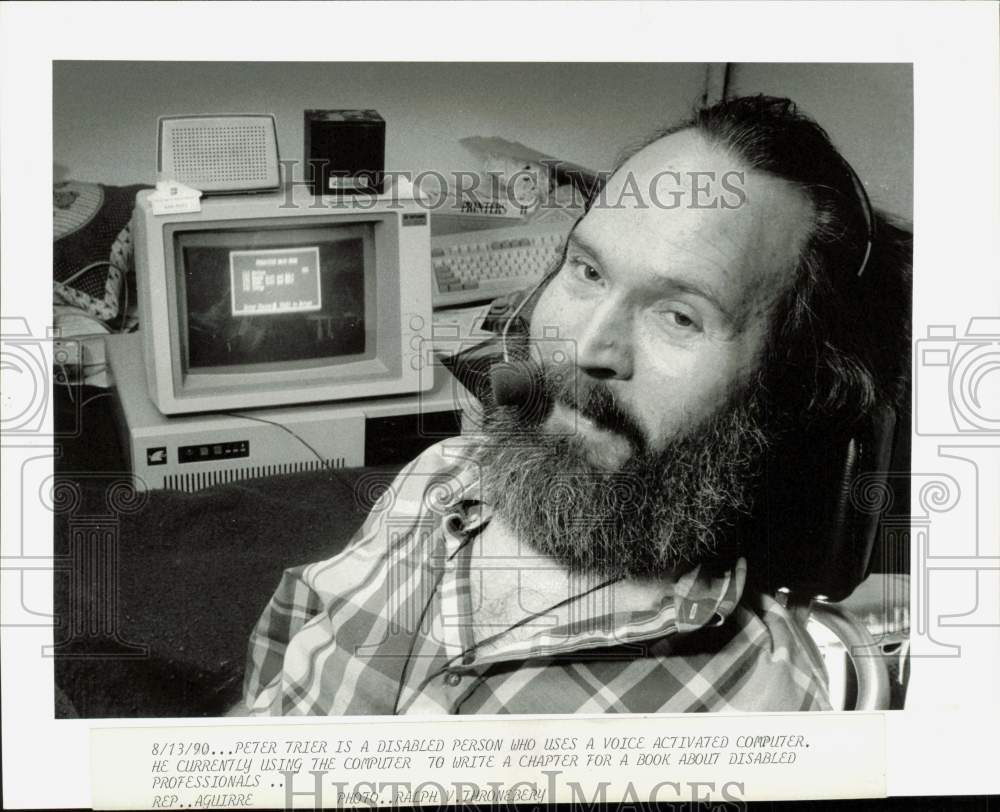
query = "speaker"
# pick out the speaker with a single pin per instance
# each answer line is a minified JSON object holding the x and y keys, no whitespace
{"x":219,"y":154}
{"x":345,"y":151}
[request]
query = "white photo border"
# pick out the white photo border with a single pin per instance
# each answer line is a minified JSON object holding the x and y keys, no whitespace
{"x":944,"y":741}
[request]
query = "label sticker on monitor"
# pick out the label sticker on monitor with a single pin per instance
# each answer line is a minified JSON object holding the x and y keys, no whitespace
{"x":270,"y":281}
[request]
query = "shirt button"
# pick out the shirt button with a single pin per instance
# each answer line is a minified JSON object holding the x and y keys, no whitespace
{"x":453,"y":678}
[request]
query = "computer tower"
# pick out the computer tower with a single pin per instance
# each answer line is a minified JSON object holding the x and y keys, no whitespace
{"x":196,"y":451}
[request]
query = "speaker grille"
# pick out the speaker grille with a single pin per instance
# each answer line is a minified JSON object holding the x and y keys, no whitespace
{"x":220,"y":153}
{"x":198,"y":480}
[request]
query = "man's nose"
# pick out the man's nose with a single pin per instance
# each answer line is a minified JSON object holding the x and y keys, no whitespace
{"x":604,"y":349}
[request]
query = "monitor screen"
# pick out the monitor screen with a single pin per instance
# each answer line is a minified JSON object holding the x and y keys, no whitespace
{"x":259,"y":298}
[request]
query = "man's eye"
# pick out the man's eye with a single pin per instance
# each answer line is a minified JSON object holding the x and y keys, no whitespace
{"x":683,"y":321}
{"x":585,"y":271}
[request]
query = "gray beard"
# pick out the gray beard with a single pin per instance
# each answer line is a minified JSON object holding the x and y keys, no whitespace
{"x":658,"y":514}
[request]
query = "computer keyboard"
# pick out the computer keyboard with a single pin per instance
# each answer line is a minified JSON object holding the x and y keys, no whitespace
{"x":481,"y":265}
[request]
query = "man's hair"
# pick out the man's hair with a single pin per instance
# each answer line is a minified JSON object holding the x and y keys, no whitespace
{"x":839,"y":344}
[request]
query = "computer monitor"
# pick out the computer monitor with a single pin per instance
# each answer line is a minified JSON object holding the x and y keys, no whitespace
{"x":280,"y":299}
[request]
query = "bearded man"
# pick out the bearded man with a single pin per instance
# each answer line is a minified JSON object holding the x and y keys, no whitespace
{"x":585,"y":551}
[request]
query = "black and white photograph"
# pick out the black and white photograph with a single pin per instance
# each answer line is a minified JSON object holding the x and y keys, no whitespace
{"x":537,"y":393}
{"x":643,"y":368}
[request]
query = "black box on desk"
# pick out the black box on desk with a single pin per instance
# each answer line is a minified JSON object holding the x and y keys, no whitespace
{"x":345,"y":151}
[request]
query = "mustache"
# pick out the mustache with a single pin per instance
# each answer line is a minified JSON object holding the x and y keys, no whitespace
{"x":597,"y":402}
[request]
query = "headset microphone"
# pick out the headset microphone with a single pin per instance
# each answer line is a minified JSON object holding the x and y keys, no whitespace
{"x":517,"y":382}
{"x":514,"y":382}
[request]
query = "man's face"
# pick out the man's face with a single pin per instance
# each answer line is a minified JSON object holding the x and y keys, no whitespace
{"x":668,"y":304}
{"x":643,"y":457}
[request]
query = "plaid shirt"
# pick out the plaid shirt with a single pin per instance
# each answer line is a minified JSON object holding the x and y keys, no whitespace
{"x":378,"y":629}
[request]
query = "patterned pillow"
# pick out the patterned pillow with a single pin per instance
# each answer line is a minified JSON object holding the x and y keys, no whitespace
{"x":92,"y":246}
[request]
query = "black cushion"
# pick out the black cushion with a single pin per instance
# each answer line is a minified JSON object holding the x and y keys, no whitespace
{"x":156,"y":595}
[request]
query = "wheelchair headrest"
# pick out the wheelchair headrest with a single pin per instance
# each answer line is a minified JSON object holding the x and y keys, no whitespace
{"x":813,"y":531}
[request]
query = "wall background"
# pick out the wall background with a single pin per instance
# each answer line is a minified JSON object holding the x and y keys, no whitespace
{"x":104,"y":113}
{"x":867,"y":110}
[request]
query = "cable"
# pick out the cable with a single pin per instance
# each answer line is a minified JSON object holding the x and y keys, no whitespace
{"x":83,"y":270}
{"x":94,"y":397}
{"x":413,"y":643}
{"x":536,"y":615}
{"x":326,"y":463}
{"x":486,"y":641}
{"x":65,"y":381}
{"x":124,"y":311}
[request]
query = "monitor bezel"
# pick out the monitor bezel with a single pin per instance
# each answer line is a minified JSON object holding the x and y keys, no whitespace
{"x":403,"y":291}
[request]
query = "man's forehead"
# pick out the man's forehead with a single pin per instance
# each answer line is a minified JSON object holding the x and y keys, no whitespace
{"x":684,"y":207}
{"x":686,"y":150}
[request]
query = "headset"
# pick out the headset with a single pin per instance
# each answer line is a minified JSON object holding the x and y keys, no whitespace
{"x":867,"y":213}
